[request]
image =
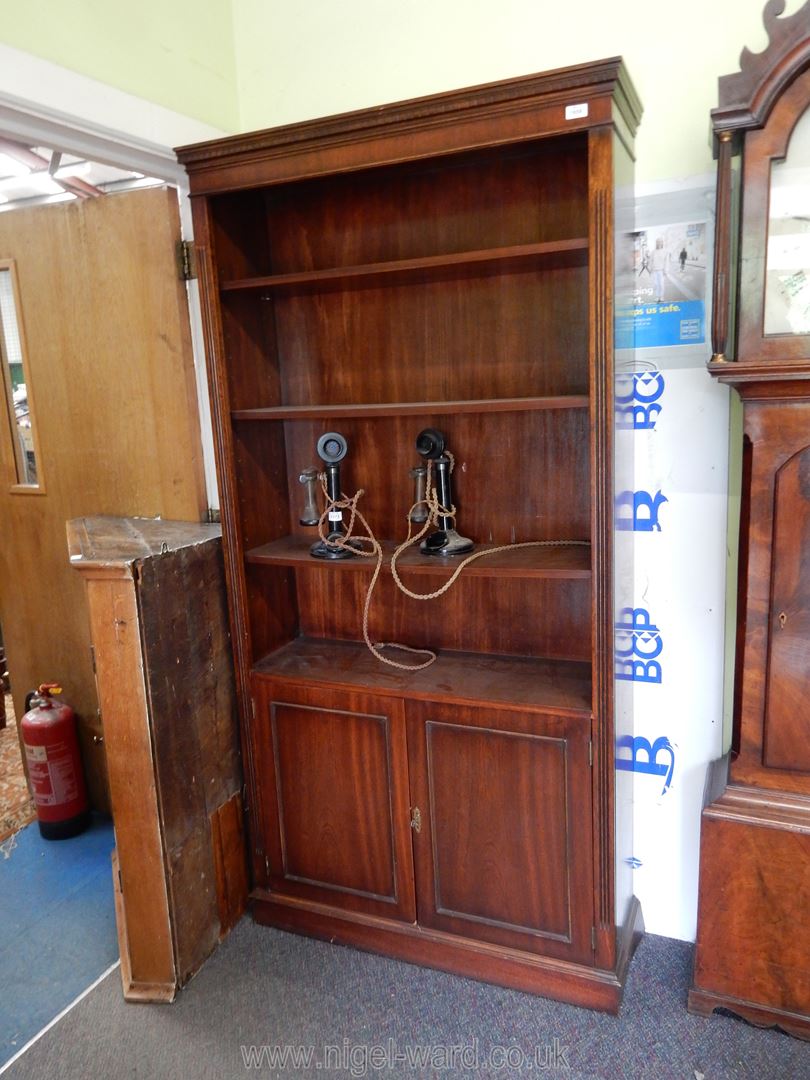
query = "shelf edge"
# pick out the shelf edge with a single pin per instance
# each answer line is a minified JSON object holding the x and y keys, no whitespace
{"x":413,"y":408}
{"x":463,"y":260}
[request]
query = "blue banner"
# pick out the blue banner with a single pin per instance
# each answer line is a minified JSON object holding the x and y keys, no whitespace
{"x":649,"y":326}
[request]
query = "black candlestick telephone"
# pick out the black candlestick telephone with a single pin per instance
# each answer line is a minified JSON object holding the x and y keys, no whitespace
{"x":336,"y":544}
{"x":434,"y":506}
{"x":432,"y":446}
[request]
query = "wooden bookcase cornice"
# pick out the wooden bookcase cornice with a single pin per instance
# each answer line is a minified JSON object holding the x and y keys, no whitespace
{"x":525,"y":108}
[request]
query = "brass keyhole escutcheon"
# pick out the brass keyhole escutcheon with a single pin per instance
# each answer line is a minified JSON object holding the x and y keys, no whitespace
{"x":416,"y":819}
{"x":782,"y":620}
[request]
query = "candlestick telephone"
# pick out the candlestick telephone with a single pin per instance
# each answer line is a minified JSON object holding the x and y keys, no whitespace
{"x":335,"y":544}
{"x":432,"y":508}
{"x":430,"y":444}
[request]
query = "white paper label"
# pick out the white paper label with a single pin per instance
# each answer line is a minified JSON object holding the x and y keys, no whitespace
{"x":574,"y":112}
{"x":335,"y":515}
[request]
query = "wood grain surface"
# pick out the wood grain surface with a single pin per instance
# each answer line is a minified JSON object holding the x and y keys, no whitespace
{"x":110,"y":365}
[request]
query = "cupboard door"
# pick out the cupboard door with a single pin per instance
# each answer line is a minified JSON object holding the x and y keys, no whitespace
{"x":334,"y":783}
{"x":503,"y":847}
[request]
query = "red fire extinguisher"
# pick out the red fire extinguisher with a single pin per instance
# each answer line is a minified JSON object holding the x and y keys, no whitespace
{"x":55,"y":765}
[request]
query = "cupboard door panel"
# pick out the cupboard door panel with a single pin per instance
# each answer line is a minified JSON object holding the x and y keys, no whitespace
{"x":787,"y":720}
{"x":503,"y":853}
{"x":335,"y":814}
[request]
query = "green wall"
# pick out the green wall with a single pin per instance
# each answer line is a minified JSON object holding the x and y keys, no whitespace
{"x":176,"y":53}
{"x":316,"y":57}
{"x":246,"y":64}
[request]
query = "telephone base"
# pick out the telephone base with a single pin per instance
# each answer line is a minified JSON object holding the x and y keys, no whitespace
{"x":446,"y":542}
{"x":323,"y":549}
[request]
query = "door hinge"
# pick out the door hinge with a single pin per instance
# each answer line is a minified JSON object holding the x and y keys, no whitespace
{"x":590,"y":752}
{"x":416,"y":819}
{"x":593,"y":939}
{"x":186,"y":261}
{"x":267,"y":864}
{"x":93,"y":658}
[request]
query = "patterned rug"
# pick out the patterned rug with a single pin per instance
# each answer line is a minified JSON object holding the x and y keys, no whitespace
{"x":16,"y":805}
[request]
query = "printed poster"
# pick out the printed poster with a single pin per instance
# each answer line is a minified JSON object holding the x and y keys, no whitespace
{"x":668,"y":304}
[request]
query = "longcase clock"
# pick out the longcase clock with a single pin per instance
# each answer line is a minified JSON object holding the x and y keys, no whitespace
{"x":753,"y":943}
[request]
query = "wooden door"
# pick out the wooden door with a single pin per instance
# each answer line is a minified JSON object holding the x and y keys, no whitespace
{"x":503,"y":849}
{"x":103,"y":322}
{"x":335,"y":816}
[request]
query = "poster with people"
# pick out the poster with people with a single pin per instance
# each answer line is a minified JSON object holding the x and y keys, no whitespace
{"x":668,"y":304}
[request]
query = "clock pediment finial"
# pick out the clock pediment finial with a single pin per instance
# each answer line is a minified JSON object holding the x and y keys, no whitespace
{"x":747,"y":96}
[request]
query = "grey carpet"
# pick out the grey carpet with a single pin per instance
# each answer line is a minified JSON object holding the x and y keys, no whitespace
{"x":264,"y":987}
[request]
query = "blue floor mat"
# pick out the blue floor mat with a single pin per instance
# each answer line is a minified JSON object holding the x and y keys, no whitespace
{"x":57,"y":926}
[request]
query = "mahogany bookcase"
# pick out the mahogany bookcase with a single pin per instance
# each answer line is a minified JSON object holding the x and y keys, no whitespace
{"x":445,"y":262}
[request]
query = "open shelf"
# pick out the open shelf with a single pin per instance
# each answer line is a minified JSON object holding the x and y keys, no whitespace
{"x":412,"y":408}
{"x":559,"y":686}
{"x":573,"y":252}
{"x":530,"y":562}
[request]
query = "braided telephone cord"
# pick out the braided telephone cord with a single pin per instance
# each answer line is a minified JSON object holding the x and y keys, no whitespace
{"x":435,"y":510}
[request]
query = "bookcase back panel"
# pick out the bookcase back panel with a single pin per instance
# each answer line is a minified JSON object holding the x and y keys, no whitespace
{"x":460,"y":202}
{"x":510,"y":617}
{"x":272,"y":609}
{"x":239,"y":236}
{"x":262,"y":495}
{"x":469,"y":337}
{"x":518,"y":476}
{"x":251,"y":358}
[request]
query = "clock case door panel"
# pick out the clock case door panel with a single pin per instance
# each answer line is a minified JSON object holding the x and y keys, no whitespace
{"x":335,"y":813}
{"x":503,"y":850}
{"x":771,"y":719}
{"x":787,"y":727}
